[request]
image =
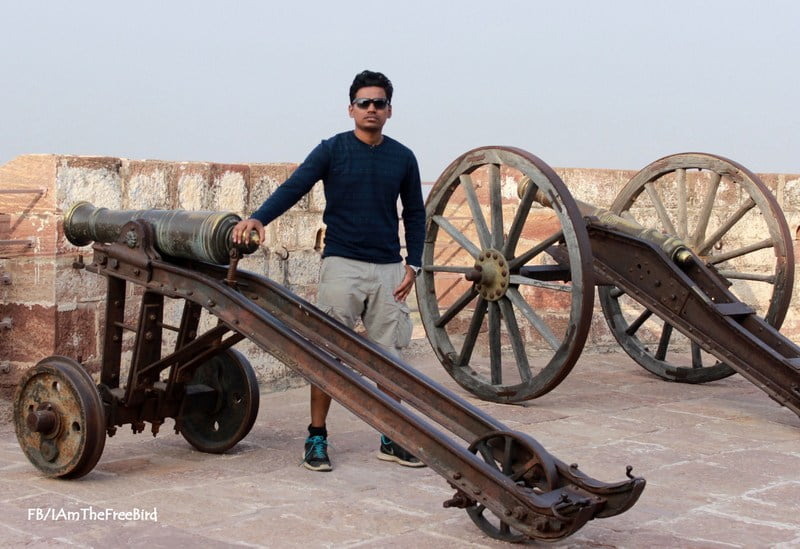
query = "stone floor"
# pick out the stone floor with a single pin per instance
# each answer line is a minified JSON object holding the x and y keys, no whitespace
{"x":722,"y":463}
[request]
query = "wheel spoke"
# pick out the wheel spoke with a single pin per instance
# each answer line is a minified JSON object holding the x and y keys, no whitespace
{"x":719,"y":258}
{"x":683,"y":226}
{"x":477,"y":214}
{"x":496,"y":202}
{"x":616,"y":292}
{"x":495,"y":359}
{"x":527,"y":466}
{"x":535,"y":320}
{"x":507,"y":455}
{"x":519,"y":219}
{"x":488,"y":454}
{"x":636,"y":324}
{"x":456,"y":307}
{"x":447,"y":269}
{"x":456,"y":235}
{"x":472,"y":332}
{"x":697,"y":358}
{"x":516,"y":340}
{"x":756,"y":277}
{"x":705,"y":213}
{"x":660,"y":209}
{"x":517,"y":262}
{"x":525,"y":281}
{"x":727,"y":226}
{"x":663,"y":342}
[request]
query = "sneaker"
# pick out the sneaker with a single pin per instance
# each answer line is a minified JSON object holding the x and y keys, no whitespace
{"x":316,"y":456}
{"x":391,"y":451}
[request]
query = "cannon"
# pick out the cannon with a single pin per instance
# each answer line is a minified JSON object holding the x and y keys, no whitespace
{"x":510,"y":486}
{"x":693,"y":263}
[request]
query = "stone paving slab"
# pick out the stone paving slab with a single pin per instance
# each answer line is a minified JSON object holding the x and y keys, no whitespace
{"x":722,"y":463}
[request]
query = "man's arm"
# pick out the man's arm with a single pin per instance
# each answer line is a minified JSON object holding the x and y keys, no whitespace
{"x":414,"y":224}
{"x":313,"y":168}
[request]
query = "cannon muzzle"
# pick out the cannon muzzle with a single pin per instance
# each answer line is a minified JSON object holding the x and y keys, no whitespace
{"x":201,"y":235}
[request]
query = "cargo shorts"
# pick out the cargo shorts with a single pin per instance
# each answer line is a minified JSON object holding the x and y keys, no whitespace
{"x":350,"y":290}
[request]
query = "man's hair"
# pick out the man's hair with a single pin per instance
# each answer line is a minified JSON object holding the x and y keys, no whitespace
{"x":366,"y":79}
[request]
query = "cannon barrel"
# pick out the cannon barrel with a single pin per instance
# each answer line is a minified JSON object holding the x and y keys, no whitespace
{"x":675,"y":248}
{"x":201,"y":235}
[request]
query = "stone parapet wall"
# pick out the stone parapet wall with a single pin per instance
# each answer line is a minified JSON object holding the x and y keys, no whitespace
{"x":47,"y":306}
{"x":50,"y":307}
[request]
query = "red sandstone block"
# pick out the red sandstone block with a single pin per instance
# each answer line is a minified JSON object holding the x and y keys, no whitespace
{"x":32,"y":335}
{"x":76,"y":333}
{"x":35,"y":177}
{"x":34,"y":235}
{"x":31,"y":280}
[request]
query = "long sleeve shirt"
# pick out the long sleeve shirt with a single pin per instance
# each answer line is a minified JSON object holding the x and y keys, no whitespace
{"x":362,"y":184}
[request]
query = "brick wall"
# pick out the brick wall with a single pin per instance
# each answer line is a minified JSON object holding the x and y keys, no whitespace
{"x":48,"y":307}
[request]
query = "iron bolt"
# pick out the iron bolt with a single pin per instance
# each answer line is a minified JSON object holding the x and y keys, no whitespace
{"x":42,"y":421}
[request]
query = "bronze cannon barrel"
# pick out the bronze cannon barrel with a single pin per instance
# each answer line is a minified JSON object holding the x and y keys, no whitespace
{"x":202,"y":235}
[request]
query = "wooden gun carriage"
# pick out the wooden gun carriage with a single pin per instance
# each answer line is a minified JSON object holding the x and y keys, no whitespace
{"x":511,"y":261}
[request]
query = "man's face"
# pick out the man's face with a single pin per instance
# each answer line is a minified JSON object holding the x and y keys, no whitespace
{"x":369,"y":117}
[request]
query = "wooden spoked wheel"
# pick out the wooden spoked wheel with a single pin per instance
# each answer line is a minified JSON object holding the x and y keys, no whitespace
{"x":524,"y":462}
{"x":731,"y":220}
{"x":218,"y":427}
{"x":506,"y":289}
{"x":59,"y":418}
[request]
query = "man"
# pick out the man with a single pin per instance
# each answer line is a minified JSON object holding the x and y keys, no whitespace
{"x":362,"y":275}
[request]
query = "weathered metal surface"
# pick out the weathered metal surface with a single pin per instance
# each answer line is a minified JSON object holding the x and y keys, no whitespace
{"x":695,"y":301}
{"x":201,"y":235}
{"x":231,"y":415}
{"x":332,"y":357}
{"x":59,"y":418}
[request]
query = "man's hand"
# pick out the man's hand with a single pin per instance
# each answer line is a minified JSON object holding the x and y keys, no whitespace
{"x":242,"y":230}
{"x":401,"y":292}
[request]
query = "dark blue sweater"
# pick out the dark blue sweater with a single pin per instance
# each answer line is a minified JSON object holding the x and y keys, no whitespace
{"x":362,"y":184}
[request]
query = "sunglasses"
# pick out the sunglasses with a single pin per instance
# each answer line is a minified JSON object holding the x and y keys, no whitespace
{"x":363,"y":103}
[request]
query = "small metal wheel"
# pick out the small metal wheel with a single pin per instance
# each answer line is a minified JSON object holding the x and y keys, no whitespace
{"x":59,"y":418}
{"x":729,"y":218}
{"x":218,"y":426}
{"x":506,"y":289}
{"x":525,"y":462}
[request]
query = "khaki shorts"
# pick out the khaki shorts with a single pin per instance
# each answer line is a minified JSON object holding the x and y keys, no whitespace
{"x":350,"y":290}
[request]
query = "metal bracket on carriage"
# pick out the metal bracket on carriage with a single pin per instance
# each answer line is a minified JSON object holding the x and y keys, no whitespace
{"x":131,"y":255}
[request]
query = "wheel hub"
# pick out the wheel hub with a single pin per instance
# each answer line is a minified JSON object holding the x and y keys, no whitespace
{"x":490,"y":275}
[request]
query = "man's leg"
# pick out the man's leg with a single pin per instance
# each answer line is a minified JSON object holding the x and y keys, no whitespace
{"x":342,"y":300}
{"x":389,"y":325}
{"x":316,"y":457}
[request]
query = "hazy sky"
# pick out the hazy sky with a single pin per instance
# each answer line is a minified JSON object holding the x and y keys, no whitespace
{"x":608,"y":84}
